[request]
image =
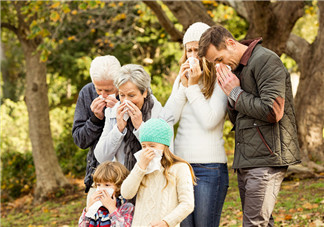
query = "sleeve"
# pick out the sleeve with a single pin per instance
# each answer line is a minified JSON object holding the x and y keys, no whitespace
{"x":109,"y":141}
{"x":86,"y":128}
{"x":208,"y":112}
{"x":185,"y":196}
{"x":123,"y":216}
{"x":131,"y":184}
{"x":177,"y":100}
{"x":270,"y":81}
{"x":84,"y":221}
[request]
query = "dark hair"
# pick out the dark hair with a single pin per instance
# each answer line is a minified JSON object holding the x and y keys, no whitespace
{"x":216,"y":36}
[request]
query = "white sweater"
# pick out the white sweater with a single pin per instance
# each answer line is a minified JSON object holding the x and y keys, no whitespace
{"x":199,"y":137}
{"x":153,"y":203}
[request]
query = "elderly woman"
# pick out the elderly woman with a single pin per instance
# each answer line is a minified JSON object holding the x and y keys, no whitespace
{"x":120,"y":137}
{"x":199,"y":104}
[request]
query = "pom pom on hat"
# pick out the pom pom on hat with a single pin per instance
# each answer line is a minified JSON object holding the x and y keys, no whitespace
{"x":156,"y":130}
{"x":194,"y":32}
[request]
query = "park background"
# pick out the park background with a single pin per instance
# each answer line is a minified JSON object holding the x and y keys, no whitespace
{"x":46,"y":51}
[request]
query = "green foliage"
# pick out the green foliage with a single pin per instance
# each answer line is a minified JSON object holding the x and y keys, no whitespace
{"x":307,"y":26}
{"x":161,"y":89}
{"x":71,"y":158}
{"x":14,"y":127}
{"x":228,"y":136}
{"x":227,"y":17}
{"x":12,"y":67}
{"x":17,"y":170}
{"x":17,"y":174}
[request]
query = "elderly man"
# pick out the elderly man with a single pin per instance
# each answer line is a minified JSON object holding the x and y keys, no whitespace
{"x":89,"y":111}
{"x":261,"y":108}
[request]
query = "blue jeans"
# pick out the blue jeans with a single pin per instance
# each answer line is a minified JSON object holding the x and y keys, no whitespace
{"x":210,"y":193}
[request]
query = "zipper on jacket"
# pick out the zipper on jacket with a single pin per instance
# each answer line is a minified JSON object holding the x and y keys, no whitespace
{"x":263,"y":140}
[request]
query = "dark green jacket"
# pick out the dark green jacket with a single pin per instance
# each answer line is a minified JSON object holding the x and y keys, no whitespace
{"x":263,"y":115}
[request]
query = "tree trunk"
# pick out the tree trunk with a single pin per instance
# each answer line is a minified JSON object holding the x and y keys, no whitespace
{"x":273,"y":21}
{"x":309,"y":98}
{"x":49,"y":176}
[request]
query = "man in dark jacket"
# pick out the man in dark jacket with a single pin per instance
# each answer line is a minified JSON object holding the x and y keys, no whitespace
{"x":89,"y":118}
{"x":260,"y":105}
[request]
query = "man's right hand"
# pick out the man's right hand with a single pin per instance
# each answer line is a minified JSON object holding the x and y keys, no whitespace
{"x":110,"y":101}
{"x":97,"y":107}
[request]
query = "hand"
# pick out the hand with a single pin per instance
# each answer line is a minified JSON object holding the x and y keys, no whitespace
{"x":159,"y":224}
{"x":93,"y":198}
{"x":226,"y":79}
{"x":110,"y":101}
{"x":107,"y":201}
{"x":195,"y":73}
{"x":146,"y":157}
{"x":121,"y":123}
{"x":184,"y":71}
{"x":97,"y":107}
{"x":135,"y":115}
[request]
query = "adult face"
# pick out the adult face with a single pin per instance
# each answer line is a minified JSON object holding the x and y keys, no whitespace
{"x":192,"y":49}
{"x":129,"y":91}
{"x":227,"y":56}
{"x":105,"y":87}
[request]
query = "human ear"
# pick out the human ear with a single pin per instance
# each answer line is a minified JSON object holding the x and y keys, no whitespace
{"x":145,"y":93}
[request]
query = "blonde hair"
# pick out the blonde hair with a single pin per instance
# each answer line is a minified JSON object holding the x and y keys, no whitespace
{"x":113,"y":172}
{"x":168,"y":160}
{"x":208,"y":77}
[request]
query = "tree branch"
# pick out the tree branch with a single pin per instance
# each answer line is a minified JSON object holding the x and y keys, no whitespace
{"x":189,"y":12}
{"x":296,"y":47}
{"x":10,"y":27}
{"x":175,"y":34}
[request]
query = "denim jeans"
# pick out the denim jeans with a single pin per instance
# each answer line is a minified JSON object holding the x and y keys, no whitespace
{"x":210,"y":193}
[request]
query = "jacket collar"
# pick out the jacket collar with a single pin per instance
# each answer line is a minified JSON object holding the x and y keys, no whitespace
{"x":251,"y":43}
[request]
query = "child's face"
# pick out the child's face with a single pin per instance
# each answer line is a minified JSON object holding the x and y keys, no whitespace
{"x":105,"y":185}
{"x":152,"y":145}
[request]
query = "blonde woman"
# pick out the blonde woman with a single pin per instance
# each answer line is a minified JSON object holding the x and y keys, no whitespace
{"x":199,"y":105}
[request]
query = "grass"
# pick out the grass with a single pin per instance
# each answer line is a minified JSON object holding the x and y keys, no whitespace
{"x":300,"y":203}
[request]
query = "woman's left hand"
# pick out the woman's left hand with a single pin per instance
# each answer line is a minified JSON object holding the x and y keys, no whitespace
{"x":195,"y":73}
{"x":135,"y":114}
{"x":159,"y":224}
{"x":108,"y":201}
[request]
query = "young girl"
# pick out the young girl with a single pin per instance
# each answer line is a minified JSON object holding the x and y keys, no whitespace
{"x":161,"y":181}
{"x":106,"y":207}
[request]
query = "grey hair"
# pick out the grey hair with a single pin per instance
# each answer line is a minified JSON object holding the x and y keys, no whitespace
{"x":135,"y":74}
{"x":104,"y":68}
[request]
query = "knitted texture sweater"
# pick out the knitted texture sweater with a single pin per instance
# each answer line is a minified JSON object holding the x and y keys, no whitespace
{"x":155,"y":203}
{"x":199,"y":137}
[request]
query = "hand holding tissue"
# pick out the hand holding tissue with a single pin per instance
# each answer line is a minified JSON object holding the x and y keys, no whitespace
{"x":155,"y":163}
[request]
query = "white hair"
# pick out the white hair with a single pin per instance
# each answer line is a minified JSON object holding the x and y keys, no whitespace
{"x":135,"y":74}
{"x":104,"y":68}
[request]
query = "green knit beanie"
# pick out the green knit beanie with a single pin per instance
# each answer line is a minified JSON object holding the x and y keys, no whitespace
{"x":156,"y":130}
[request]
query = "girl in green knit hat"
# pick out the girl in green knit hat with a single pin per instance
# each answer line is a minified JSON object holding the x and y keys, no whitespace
{"x":162,"y":182}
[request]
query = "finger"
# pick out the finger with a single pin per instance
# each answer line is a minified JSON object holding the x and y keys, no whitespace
{"x":110,"y":103}
{"x":110,"y":98}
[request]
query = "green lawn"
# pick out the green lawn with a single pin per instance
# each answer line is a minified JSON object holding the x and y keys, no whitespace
{"x":300,"y":203}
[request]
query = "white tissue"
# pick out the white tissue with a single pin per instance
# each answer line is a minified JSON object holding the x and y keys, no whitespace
{"x":191,"y":61}
{"x":126,"y":115}
{"x":94,"y":207}
{"x":102,"y":98}
{"x":229,"y":67}
{"x":155,"y":163}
